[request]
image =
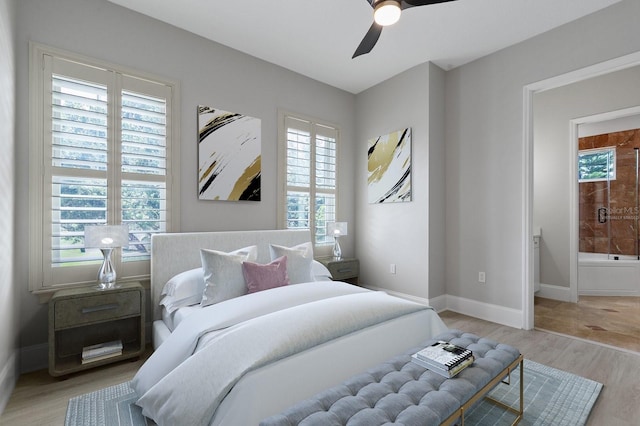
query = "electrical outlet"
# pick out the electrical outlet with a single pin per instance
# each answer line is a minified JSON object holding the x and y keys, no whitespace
{"x":392,"y":268}
{"x":482,"y":277}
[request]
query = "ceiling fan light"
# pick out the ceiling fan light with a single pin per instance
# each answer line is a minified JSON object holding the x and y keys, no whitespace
{"x":387,"y":12}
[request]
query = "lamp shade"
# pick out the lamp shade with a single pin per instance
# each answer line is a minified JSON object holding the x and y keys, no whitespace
{"x":106,"y":236}
{"x":337,"y":229}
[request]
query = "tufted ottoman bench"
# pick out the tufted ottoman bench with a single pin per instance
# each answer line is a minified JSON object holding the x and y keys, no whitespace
{"x":403,"y":393}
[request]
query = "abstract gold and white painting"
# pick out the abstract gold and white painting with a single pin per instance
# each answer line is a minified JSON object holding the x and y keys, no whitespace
{"x":229,"y":155}
{"x":389,"y":166}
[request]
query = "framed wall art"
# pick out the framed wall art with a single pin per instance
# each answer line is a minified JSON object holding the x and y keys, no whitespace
{"x":229,"y":155}
{"x":389,"y":168}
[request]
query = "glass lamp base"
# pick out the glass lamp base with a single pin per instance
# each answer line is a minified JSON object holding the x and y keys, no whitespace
{"x":337,"y":251}
{"x":107,"y":286}
{"x":107,"y":274}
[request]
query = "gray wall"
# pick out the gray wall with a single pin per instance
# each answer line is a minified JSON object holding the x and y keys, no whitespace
{"x":485,"y":150}
{"x":480,"y":142}
{"x":395,"y":233}
{"x":8,"y":289}
{"x":553,"y":110}
{"x":209,"y":74}
{"x":437,"y":212}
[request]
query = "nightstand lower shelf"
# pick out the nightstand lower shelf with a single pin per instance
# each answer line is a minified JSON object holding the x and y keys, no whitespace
{"x":83,"y":317}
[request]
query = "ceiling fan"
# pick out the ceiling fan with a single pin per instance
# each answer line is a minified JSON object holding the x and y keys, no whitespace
{"x":387,"y":12}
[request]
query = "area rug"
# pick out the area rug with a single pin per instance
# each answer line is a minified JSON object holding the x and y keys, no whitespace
{"x":551,"y":397}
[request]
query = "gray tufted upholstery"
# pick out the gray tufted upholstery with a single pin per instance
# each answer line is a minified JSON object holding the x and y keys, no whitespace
{"x":401,"y":392}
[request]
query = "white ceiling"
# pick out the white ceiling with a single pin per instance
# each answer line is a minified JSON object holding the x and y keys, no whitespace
{"x":317,"y":38}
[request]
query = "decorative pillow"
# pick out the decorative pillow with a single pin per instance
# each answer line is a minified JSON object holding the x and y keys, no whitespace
{"x":223,"y":276}
{"x":298,"y":261}
{"x":184,"y":289}
{"x":260,"y":277}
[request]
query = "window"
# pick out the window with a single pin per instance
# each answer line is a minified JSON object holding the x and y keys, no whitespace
{"x":597,"y":164}
{"x":101,"y":153}
{"x":309,"y":183}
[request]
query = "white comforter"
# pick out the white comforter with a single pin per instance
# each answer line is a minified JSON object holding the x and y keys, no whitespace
{"x":192,"y":371}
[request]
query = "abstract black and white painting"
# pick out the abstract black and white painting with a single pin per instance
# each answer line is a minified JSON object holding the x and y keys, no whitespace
{"x":389,"y":167}
{"x":229,"y":155}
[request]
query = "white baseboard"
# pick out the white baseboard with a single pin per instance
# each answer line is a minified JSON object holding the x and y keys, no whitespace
{"x":8,"y":379}
{"x":621,"y":293}
{"x":34,"y":358}
{"x":437,"y":303}
{"x":554,"y":292}
{"x":486,"y":311}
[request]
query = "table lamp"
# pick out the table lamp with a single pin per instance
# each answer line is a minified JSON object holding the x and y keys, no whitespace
{"x":106,"y":238}
{"x":337,"y":229}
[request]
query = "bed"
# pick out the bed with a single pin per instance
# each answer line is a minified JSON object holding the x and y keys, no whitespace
{"x":246,"y":357}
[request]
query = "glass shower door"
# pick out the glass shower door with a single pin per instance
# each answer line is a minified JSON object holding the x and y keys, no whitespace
{"x":623,"y":204}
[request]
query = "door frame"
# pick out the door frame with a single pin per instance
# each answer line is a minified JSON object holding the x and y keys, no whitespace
{"x":529,"y":91}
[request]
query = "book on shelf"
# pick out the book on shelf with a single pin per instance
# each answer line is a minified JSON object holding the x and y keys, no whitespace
{"x":101,"y":357}
{"x":106,"y":348}
{"x":448,"y":373}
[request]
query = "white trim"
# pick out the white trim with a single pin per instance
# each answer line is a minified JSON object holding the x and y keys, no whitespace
{"x":42,"y":58}
{"x":606,"y":67}
{"x":486,"y":311}
{"x":609,"y":150}
{"x":574,"y":208}
{"x":8,"y":379}
{"x":314,"y":123}
{"x":528,"y":284}
{"x":555,"y":292}
{"x":438,"y":303}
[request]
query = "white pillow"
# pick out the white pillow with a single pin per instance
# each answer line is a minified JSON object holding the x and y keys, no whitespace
{"x":223,"y":275}
{"x":320,"y":272}
{"x":184,"y":289}
{"x":298,"y":261}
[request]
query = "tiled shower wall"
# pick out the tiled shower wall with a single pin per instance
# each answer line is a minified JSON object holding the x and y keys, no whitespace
{"x":619,"y":234}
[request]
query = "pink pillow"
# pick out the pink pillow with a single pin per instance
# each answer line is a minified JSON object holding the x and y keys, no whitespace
{"x":263,"y":277}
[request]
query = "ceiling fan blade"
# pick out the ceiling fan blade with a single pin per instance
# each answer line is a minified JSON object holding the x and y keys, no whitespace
{"x":370,"y":39}
{"x":410,"y":3}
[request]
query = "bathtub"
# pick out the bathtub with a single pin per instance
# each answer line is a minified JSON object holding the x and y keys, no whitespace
{"x":600,"y":275}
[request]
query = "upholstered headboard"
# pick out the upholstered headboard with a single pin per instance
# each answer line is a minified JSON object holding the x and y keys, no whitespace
{"x":175,"y":253}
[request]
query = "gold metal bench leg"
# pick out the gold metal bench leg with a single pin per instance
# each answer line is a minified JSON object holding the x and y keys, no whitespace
{"x":460,"y":413}
{"x":519,"y":412}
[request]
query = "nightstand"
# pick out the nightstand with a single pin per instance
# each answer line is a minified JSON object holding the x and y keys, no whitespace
{"x":81,"y":317}
{"x":344,"y":269}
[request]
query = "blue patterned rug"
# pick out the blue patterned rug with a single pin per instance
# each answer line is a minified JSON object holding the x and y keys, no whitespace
{"x":551,"y":397}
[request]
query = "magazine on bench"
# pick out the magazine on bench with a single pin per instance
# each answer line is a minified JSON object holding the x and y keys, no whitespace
{"x":444,"y":358}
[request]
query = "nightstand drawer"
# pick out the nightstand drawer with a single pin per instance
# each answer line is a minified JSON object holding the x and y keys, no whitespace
{"x":344,"y":269}
{"x":105,"y":306}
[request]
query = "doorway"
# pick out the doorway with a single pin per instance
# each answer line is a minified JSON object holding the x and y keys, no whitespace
{"x":562,"y":283}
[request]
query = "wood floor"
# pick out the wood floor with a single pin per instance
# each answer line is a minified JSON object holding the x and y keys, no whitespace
{"x":608,"y":320}
{"x":42,"y":400}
